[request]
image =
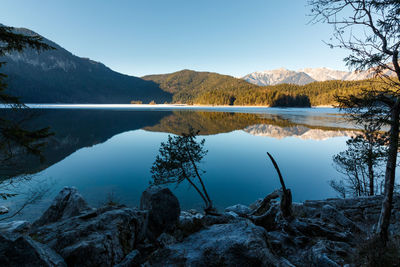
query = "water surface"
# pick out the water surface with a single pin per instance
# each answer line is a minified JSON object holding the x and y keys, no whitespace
{"x":109,"y":150}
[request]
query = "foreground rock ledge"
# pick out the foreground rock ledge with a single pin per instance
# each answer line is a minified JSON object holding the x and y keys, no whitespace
{"x":70,"y":233}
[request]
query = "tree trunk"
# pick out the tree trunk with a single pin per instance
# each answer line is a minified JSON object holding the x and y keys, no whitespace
{"x":200,"y":180}
{"x":195,"y":187}
{"x":286,"y":204}
{"x":369,"y":134}
{"x":358,"y":183}
{"x":384,"y":219}
{"x":371,"y":175}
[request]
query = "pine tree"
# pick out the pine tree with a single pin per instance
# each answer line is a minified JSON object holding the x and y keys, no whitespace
{"x":178,"y":160}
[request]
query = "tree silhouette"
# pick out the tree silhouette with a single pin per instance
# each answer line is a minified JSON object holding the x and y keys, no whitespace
{"x":370,"y":31}
{"x":360,"y":164}
{"x":13,"y":136}
{"x":178,"y":160}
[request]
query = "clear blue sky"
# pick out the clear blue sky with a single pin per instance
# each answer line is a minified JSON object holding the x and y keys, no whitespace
{"x":135,"y":37}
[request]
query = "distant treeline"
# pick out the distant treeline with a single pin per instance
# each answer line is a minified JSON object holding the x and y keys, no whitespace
{"x":191,"y":87}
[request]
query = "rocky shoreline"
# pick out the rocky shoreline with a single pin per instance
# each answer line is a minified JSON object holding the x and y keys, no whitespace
{"x":158,"y":233}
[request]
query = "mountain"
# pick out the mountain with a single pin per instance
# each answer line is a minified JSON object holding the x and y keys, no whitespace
{"x":58,"y":76}
{"x":207,"y":88}
{"x":298,"y":131}
{"x":273,"y":125}
{"x":186,"y":85}
{"x":279,"y":76}
{"x":325,"y":74}
{"x":304,"y":76}
{"x":73,"y":129}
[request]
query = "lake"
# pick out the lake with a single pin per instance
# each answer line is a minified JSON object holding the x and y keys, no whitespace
{"x":108,"y":150}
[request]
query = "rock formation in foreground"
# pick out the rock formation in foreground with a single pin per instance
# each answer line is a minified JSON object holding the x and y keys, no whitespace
{"x":70,"y":233}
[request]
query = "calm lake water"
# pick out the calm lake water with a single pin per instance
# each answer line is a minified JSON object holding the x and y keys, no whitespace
{"x":104,"y":151}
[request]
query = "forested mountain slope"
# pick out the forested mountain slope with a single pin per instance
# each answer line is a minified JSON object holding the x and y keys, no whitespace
{"x":58,"y":76}
{"x":194,"y":87}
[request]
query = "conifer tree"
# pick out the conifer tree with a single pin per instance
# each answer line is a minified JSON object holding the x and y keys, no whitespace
{"x":178,"y":160}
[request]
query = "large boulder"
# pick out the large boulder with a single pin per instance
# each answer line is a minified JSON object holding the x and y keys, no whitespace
{"x":98,"y":238}
{"x":163,"y":210}
{"x":234,"y":244}
{"x":23,"y":251}
{"x":68,"y":203}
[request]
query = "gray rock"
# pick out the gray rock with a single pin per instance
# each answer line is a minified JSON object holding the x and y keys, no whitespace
{"x":224,"y":218}
{"x":316,"y":229}
{"x":239,"y":209}
{"x":321,"y":234}
{"x":15,"y":227}
{"x":3,"y":210}
{"x":237,"y":244}
{"x":23,"y":251}
{"x":231,"y":214}
{"x":300,"y":210}
{"x":329,"y":213}
{"x":328,"y":253}
{"x":166,"y":239}
{"x":68,"y":203}
{"x":324,"y":260}
{"x":185,"y":215}
{"x":98,"y":238}
{"x":163,"y":210}
{"x":280,"y":242}
{"x":131,"y":260}
{"x":190,"y":223}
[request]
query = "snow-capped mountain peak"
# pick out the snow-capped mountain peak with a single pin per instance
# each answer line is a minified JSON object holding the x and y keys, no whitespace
{"x":303,"y":76}
{"x":282,"y":75}
{"x":325,"y":74}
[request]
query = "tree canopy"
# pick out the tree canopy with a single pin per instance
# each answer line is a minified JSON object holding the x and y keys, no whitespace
{"x":370,"y":31}
{"x":178,"y":160}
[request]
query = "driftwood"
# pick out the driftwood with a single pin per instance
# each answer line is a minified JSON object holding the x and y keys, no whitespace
{"x":286,"y":196}
{"x":265,"y":213}
{"x":265,"y":203}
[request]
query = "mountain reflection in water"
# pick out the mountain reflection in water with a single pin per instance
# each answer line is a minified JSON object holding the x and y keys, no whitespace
{"x":120,"y":146}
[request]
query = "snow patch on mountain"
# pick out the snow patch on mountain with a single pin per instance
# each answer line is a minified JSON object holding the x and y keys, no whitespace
{"x":282,"y":75}
{"x":51,"y":62}
{"x":300,"y":132}
{"x":305,"y":76}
